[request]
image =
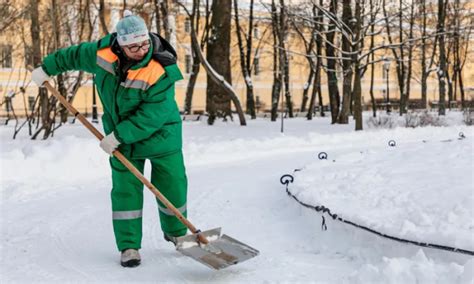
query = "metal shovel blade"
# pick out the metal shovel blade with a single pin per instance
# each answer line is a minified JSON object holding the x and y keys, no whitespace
{"x":220,"y":252}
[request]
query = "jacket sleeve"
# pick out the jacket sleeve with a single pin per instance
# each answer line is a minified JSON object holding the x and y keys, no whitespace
{"x":155,"y":110}
{"x":81,"y":57}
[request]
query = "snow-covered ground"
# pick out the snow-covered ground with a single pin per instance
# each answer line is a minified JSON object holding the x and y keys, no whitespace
{"x":56,"y":213}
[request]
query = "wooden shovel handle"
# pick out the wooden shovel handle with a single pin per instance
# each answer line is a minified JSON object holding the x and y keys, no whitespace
{"x":125,"y":161}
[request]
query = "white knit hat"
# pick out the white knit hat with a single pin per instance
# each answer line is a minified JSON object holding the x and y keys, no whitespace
{"x":131,"y":29}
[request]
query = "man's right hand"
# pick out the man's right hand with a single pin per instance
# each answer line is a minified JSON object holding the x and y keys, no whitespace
{"x":39,"y":76}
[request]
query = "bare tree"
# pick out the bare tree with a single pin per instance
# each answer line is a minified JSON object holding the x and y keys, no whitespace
{"x":424,"y":47}
{"x":277,"y":74}
{"x":284,"y":60}
{"x":334,"y":96}
{"x":246,"y":55}
{"x":442,"y":70}
{"x":9,"y":13}
{"x":218,"y":55}
{"x":460,"y":18}
{"x":46,"y":121}
{"x":308,"y":45}
{"x":406,"y":98}
{"x":103,"y":23}
{"x":372,"y":57}
{"x":212,"y":74}
{"x":194,"y":19}
{"x":357,"y":47}
{"x":346,"y":63}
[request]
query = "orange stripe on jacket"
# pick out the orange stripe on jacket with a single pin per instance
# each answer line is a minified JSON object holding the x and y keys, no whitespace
{"x":149,"y":74}
{"x":107,"y":55}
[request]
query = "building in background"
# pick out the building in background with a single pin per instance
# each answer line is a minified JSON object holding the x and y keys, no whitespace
{"x":80,"y":23}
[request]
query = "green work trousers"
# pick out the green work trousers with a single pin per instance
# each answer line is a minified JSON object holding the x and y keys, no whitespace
{"x":168,"y":175}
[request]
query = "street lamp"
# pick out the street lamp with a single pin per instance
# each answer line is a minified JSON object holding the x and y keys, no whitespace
{"x":386,"y":68}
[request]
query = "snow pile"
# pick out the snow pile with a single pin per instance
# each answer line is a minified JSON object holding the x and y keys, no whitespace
{"x":421,"y":191}
{"x":417,"y":269}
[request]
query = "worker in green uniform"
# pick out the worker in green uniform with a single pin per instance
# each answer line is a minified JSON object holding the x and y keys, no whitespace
{"x":135,"y":74}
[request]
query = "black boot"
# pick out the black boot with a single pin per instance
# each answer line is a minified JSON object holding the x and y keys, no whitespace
{"x":172,"y":239}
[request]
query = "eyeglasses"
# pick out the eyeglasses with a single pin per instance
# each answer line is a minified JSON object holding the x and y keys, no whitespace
{"x":136,"y":48}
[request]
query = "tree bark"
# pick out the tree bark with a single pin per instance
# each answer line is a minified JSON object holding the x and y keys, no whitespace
{"x":245,"y":57}
{"x":156,"y":6}
{"x":44,"y":107}
{"x":334,"y":97}
{"x":194,"y":18}
{"x":424,"y":72}
{"x":284,"y":61}
{"x":346,"y":65}
{"x":307,"y":86}
{"x":277,"y":75}
{"x":372,"y":58}
{"x":442,"y":58}
{"x":317,"y":73}
{"x":404,"y":103}
{"x":103,"y":23}
{"x":357,"y":91}
{"x":218,"y":56}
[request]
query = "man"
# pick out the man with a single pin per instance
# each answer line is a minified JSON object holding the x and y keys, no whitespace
{"x":135,"y":72}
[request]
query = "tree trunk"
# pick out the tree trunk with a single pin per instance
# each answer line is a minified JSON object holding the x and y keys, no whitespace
{"x":306,"y":88}
{"x":277,"y":76}
{"x":56,"y":14}
{"x":249,"y":51}
{"x":334,"y":98}
{"x":398,"y":58}
{"x":319,"y":60}
{"x":404,"y":106}
{"x":357,"y":97}
{"x":372,"y":58}
{"x":218,"y":55}
{"x":461,"y":90}
{"x":44,"y":110}
{"x":315,"y":91}
{"x":191,"y":84}
{"x":103,"y":23}
{"x":165,"y":18}
{"x":424,"y":73}
{"x":284,"y":61}
{"x":245,"y":58}
{"x":194,"y":19}
{"x":217,"y":78}
{"x":346,"y":65}
{"x":357,"y":92}
{"x":401,"y":69}
{"x":442,"y":58}
{"x":156,"y":6}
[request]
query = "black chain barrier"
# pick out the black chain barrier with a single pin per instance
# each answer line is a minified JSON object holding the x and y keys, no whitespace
{"x":287,"y":179}
{"x":461,"y":137}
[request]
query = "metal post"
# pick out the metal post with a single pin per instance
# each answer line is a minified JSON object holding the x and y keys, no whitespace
{"x":94,"y":103}
{"x":282,"y":105}
{"x":386,"y":66}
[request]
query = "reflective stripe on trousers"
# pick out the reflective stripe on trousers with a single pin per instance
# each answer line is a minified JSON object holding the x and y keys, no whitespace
{"x":127,"y":215}
{"x":166,"y":211}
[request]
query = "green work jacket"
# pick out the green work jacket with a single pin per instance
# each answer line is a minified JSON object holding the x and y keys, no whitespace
{"x":138,"y":106}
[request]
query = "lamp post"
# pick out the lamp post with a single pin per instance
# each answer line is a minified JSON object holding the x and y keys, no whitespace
{"x":386,"y":68}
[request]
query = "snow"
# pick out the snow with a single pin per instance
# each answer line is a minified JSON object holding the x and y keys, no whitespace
{"x":56,"y":213}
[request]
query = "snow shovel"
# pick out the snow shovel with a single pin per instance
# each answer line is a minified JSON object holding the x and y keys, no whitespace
{"x":208,"y":247}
